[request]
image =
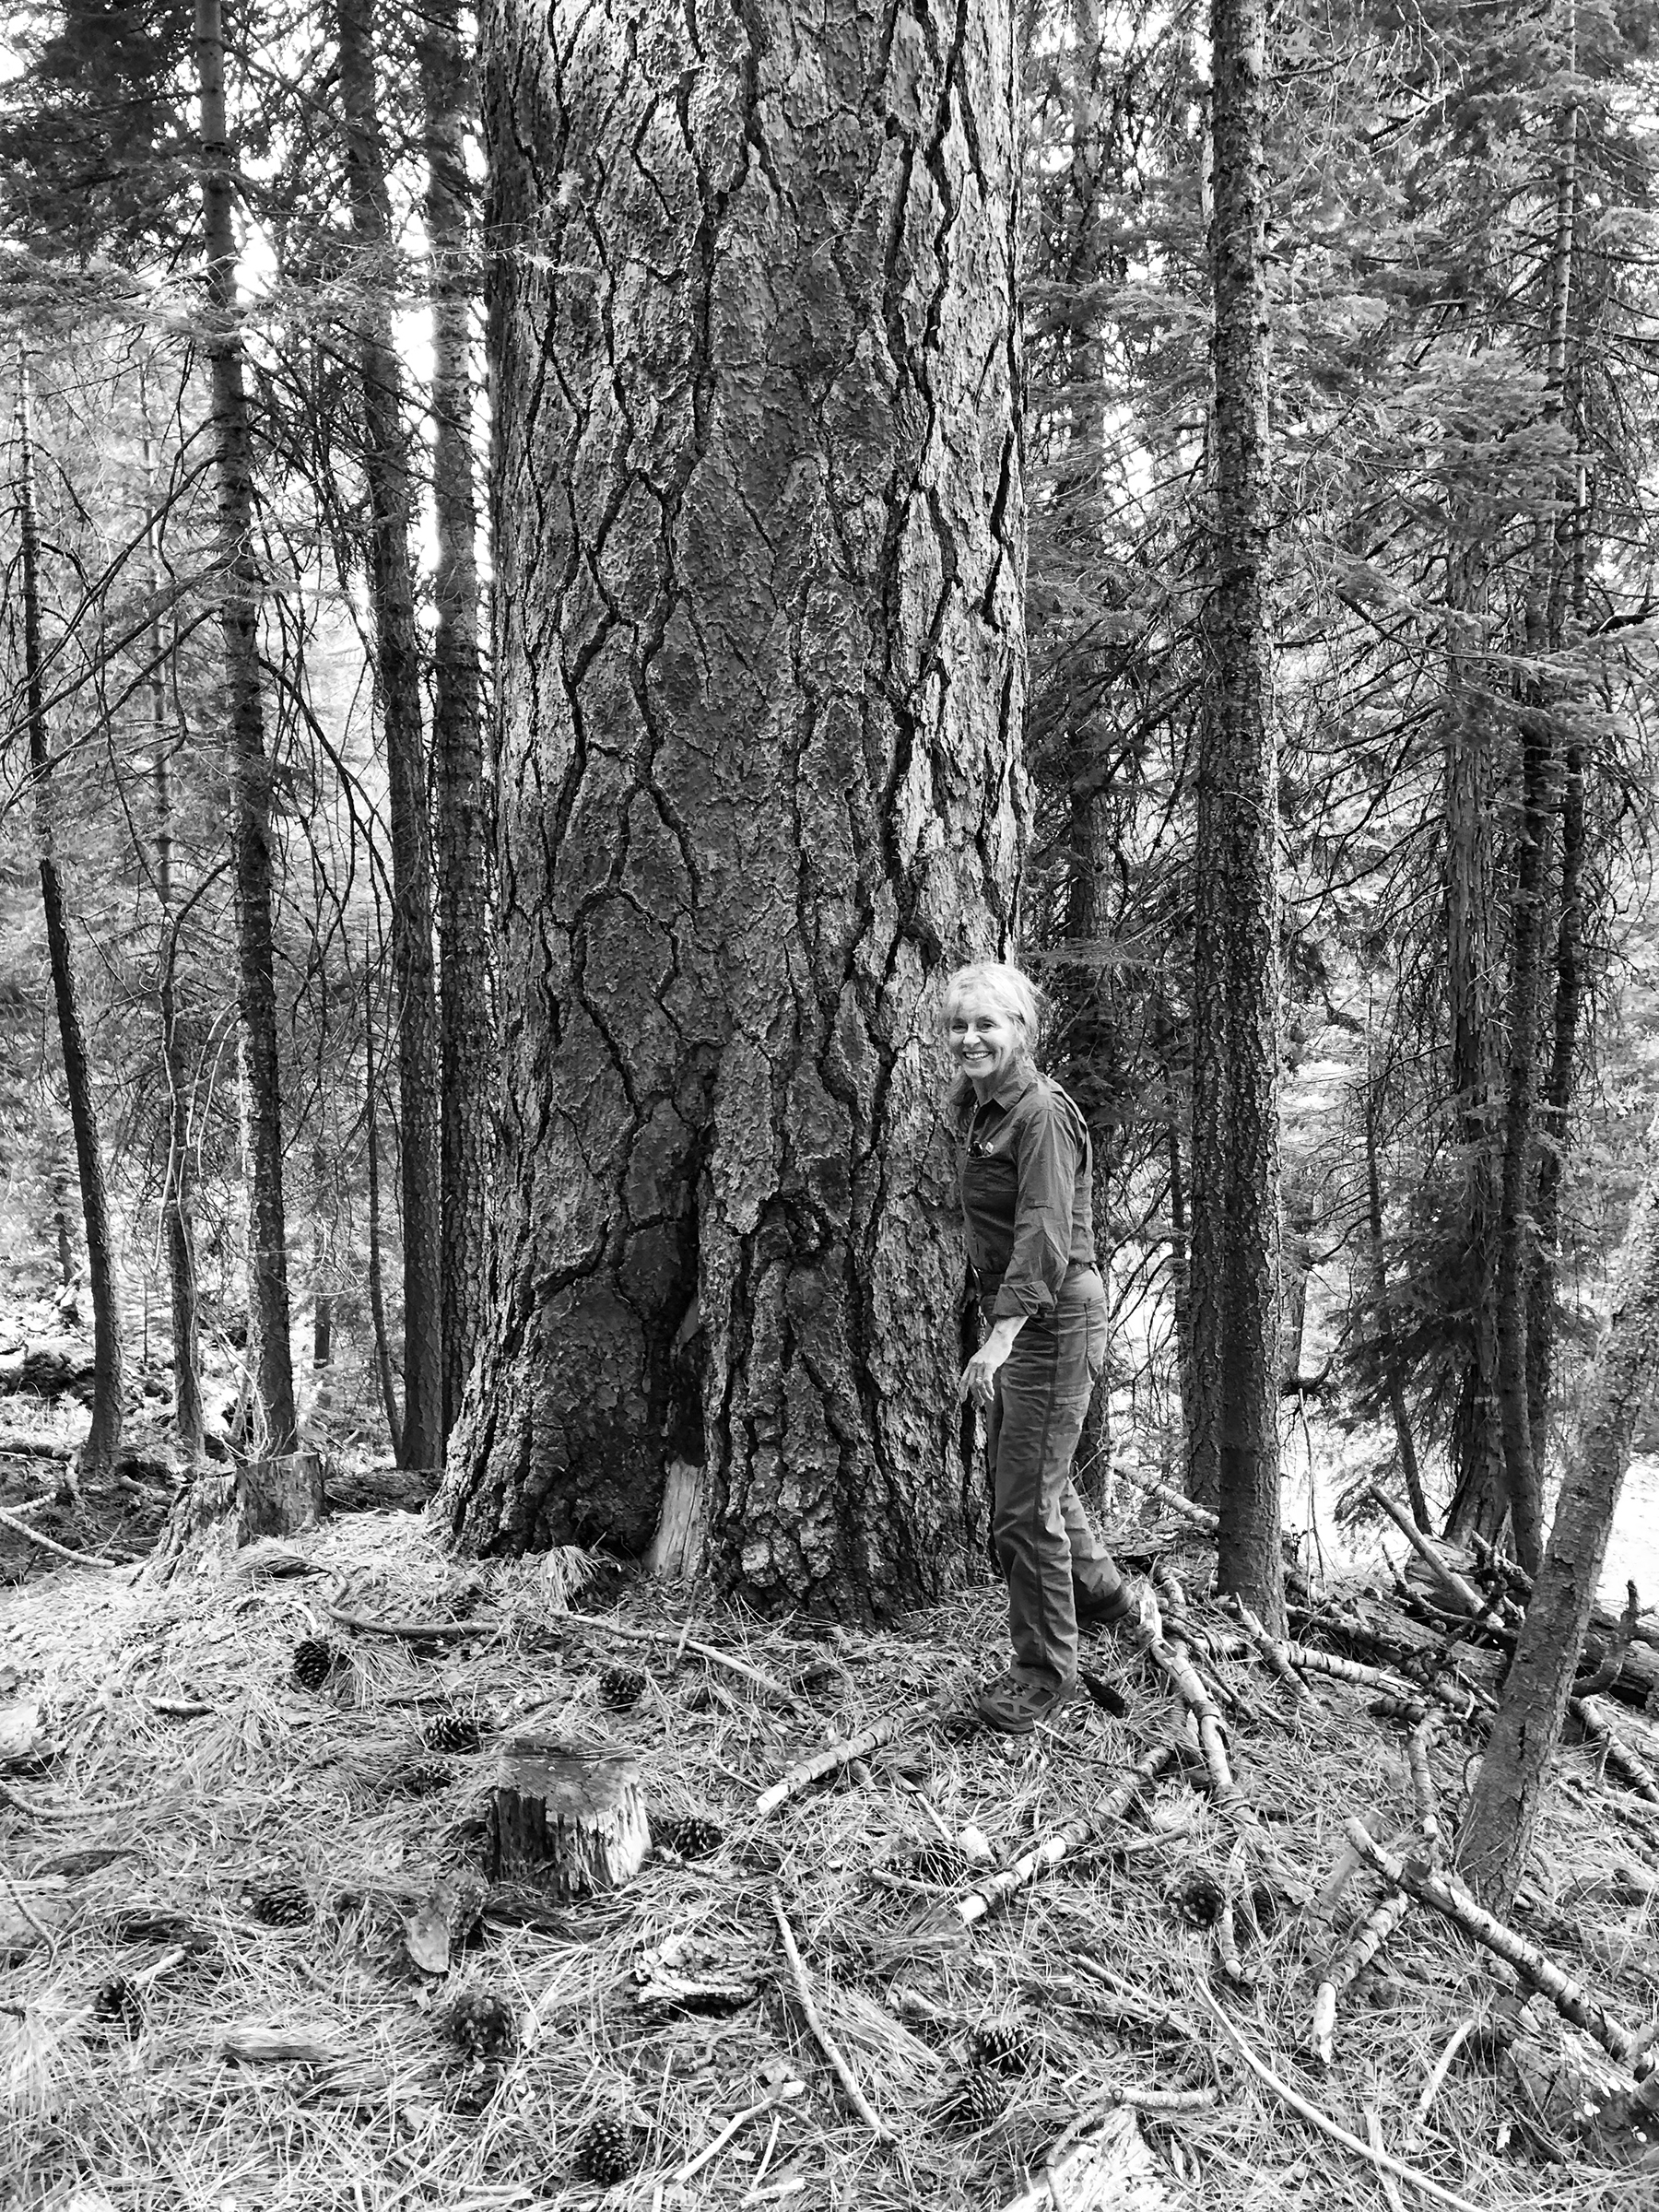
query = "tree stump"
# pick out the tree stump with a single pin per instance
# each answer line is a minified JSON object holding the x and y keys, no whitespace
{"x":280,"y":1497}
{"x":566,"y":1818}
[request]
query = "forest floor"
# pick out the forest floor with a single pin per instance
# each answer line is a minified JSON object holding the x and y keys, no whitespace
{"x":162,"y":2045}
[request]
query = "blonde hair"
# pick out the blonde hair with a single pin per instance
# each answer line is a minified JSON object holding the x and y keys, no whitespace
{"x":1010,"y":991}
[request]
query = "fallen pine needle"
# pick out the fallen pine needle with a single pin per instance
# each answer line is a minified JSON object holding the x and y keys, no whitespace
{"x":826,"y":2042}
{"x":1382,"y":2159}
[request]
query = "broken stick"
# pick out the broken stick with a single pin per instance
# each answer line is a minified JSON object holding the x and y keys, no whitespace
{"x":682,"y":1643}
{"x":824,"y":1762}
{"x":1570,"y":1999}
{"x":1326,"y":2125}
{"x":1194,"y":1693}
{"x":826,"y":2042}
{"x":1064,"y":1841}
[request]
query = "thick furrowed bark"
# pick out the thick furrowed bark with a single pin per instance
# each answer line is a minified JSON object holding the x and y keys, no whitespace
{"x":758,"y":529}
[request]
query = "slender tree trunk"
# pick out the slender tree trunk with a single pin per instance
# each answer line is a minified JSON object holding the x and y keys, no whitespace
{"x":376,"y":1290}
{"x":247,"y":767}
{"x":1235,"y":1115}
{"x":397,"y":654}
{"x":761,"y":671}
{"x":178,"y":1229}
{"x":1181,"y":1308}
{"x":103,"y":1438}
{"x":1497,"y":1827}
{"x":457,"y":709}
{"x":1514,"y":1217}
{"x":1480,"y":1494}
{"x":1388,"y":1351}
{"x":1568,"y":612}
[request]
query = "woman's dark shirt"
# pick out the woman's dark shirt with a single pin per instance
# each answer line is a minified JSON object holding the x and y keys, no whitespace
{"x":1025,"y":1173}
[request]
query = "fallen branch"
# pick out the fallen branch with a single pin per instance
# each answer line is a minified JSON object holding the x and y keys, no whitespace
{"x":1272,"y":1651}
{"x":1212,"y":1733}
{"x":826,"y":2042}
{"x":1341,"y":1971}
{"x":1612,"y":1660}
{"x":1570,"y":1999}
{"x":1313,"y":1661}
{"x":407,"y":1631}
{"x":1462,"y":1592}
{"x":75,"y":1559}
{"x":1064,"y":1841}
{"x":684,"y":1644}
{"x":1627,"y":1763}
{"x":1382,"y":2159}
{"x":824,"y":1762}
{"x":1199,"y":1515}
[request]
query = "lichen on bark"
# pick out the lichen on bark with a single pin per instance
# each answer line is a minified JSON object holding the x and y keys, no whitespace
{"x":758,"y":540}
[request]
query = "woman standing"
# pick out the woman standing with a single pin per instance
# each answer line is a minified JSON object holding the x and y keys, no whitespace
{"x":1025,"y":1172}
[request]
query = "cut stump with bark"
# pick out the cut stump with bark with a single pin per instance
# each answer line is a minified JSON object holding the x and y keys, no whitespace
{"x":569,"y":1820}
{"x":280,"y":1497}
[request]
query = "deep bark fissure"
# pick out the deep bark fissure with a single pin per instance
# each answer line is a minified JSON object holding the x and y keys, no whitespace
{"x":727,"y":740}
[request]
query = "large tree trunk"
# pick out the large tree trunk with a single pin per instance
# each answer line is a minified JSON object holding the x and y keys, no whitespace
{"x":457,"y":721}
{"x":397,"y":659}
{"x":103,"y":1436}
{"x":1497,"y":1829}
{"x":1234,"y":1446}
{"x":758,"y":531}
{"x":248,"y":770}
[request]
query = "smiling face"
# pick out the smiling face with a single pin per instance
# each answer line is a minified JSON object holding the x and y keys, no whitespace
{"x":984,"y":1038}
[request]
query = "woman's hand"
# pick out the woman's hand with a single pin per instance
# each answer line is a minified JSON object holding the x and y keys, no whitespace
{"x":978,"y":1384}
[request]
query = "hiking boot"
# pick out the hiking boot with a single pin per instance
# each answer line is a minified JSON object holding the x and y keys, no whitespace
{"x":1014,"y":1708}
{"x":1114,"y":1612}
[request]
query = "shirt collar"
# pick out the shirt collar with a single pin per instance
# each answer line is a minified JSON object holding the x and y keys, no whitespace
{"x":1012,"y":1089}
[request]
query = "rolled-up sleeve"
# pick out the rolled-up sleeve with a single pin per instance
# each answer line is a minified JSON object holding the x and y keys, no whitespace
{"x":1046,"y":1157}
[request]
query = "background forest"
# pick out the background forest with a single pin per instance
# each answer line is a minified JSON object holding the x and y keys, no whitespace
{"x":285,"y":713}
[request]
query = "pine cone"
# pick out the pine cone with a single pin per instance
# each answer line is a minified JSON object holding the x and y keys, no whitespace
{"x":454,"y":1732}
{"x":1004,"y":2046}
{"x":315,"y":1661}
{"x":606,"y":2151}
{"x":620,"y":1686}
{"x":119,"y":2002}
{"x":283,"y":1905}
{"x":692,"y":1836}
{"x":1197,"y":1898}
{"x":421,"y":1778}
{"x":973,"y":2099}
{"x":482,"y":2023}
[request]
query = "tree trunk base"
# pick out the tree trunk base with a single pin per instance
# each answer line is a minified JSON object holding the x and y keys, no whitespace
{"x":220,"y":1513}
{"x":564,"y":1819}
